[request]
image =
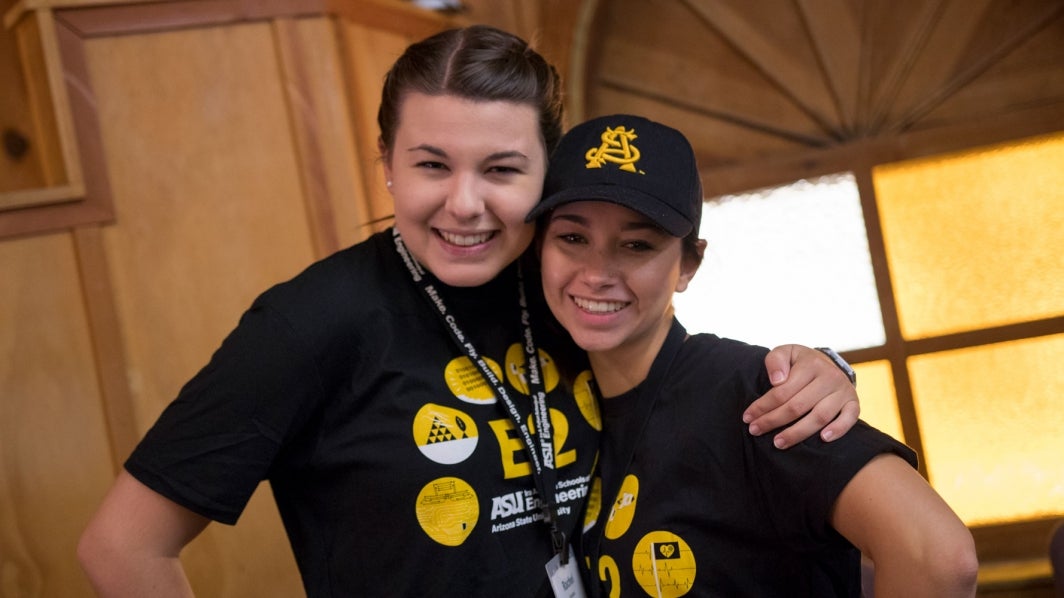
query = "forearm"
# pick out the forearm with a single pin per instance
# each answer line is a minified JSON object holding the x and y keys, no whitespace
{"x":944,"y":579}
{"x":941,"y":563}
{"x":127,"y":577}
{"x":132,"y":544}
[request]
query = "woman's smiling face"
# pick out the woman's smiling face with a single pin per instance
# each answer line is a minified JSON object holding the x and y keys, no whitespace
{"x":609,"y":275}
{"x":463,"y":175}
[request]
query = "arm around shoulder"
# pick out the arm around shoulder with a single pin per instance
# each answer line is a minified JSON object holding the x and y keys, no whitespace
{"x":132,"y":544}
{"x":918,"y":544}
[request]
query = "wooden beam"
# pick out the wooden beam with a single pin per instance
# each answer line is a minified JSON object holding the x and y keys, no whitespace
{"x":143,"y":17}
{"x":892,"y":51}
{"x":777,"y":63}
{"x":835,"y":32}
{"x":1013,"y":540}
{"x":986,"y":59}
{"x":393,"y":16}
{"x":111,"y":363}
{"x":781,"y":169}
{"x":309,"y":113}
{"x":937,"y":61}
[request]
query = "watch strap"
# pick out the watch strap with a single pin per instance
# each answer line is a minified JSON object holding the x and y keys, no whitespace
{"x":840,"y":362}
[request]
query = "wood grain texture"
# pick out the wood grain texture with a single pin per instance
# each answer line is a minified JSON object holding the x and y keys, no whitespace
{"x":367,"y":55}
{"x":16,"y":116}
{"x":319,"y":110}
{"x":49,"y":129}
{"x":55,"y":461}
{"x":210,"y":211}
{"x":111,"y":363}
{"x":833,"y":74}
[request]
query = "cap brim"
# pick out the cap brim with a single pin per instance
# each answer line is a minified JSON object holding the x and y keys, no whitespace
{"x":660,"y":214}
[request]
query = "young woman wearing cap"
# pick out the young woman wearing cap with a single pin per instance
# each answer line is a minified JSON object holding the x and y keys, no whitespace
{"x":688,"y":504}
{"x":385,"y":391}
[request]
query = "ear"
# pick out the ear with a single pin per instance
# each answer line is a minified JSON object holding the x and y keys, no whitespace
{"x":689,"y":265}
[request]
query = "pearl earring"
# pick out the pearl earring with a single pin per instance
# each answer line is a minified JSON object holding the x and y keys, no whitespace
{"x":388,"y":183}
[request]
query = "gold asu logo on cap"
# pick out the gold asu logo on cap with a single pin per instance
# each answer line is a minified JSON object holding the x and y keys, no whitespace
{"x":617,"y":148}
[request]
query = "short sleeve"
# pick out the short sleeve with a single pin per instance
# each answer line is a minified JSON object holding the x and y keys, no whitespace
{"x":218,"y":439}
{"x":801,"y":484}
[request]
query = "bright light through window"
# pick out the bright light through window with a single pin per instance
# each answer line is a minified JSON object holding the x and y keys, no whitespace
{"x":786,"y":265}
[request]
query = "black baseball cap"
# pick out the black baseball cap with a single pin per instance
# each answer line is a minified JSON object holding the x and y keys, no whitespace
{"x":630,"y":161}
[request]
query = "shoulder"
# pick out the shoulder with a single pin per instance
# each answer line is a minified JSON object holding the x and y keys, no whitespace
{"x":719,"y":374}
{"x":357,"y":280}
{"x":366,"y":263}
{"x":340,"y":292}
{"x":717,"y":356}
{"x":864,"y":442}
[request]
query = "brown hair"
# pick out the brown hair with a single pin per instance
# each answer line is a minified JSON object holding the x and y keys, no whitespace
{"x":479,"y":63}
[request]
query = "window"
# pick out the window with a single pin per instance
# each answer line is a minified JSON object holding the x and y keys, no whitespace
{"x":945,"y":289}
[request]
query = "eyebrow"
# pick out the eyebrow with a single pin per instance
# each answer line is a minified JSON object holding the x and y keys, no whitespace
{"x":432,"y":149}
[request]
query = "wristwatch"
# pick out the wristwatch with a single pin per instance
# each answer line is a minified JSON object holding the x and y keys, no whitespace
{"x":839,"y":361}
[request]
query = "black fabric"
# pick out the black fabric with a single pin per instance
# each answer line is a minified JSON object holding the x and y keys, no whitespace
{"x":341,"y":388}
{"x":717,"y":507}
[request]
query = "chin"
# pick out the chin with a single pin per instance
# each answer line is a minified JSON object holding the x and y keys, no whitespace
{"x":593,"y":342}
{"x":467,"y":276}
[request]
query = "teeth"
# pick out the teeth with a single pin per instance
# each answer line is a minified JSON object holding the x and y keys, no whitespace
{"x":465,"y":240}
{"x":600,"y":307}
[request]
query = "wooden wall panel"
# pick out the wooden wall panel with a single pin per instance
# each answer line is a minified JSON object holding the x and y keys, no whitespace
{"x":322,"y":127}
{"x":210,"y":211}
{"x":368,"y":54}
{"x":248,"y":560}
{"x":206,"y":191}
{"x":55,"y":463}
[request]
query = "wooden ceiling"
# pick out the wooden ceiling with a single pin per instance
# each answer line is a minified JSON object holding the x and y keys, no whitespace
{"x":775,"y":90}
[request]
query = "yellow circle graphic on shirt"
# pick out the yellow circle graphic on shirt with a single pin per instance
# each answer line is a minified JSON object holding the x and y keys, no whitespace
{"x":467,"y":383}
{"x":586,"y":399}
{"x":445,"y":435}
{"x":664,"y":565}
{"x":594,"y":503}
{"x":623,"y":509}
{"x":517,"y":369}
{"x":447,"y":510}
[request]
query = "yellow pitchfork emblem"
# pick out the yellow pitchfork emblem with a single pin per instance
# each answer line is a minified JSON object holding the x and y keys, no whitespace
{"x":617,"y":148}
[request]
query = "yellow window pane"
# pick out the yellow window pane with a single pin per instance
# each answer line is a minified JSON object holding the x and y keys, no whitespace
{"x":879,"y":403}
{"x":975,"y":240}
{"x":991,"y":420}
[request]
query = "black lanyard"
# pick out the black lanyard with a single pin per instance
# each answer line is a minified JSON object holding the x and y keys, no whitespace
{"x":646,"y":397}
{"x":542,"y":460}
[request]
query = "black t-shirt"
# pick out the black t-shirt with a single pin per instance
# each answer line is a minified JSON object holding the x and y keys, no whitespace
{"x":394,"y":469}
{"x":706,"y":509}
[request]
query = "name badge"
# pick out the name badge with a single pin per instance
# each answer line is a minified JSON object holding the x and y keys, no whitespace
{"x":565,"y":579}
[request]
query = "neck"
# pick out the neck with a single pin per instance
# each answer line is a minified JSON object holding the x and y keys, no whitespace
{"x":622,"y":368}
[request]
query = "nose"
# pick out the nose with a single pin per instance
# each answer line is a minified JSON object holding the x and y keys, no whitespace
{"x":463,"y":199}
{"x":599,"y":269}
